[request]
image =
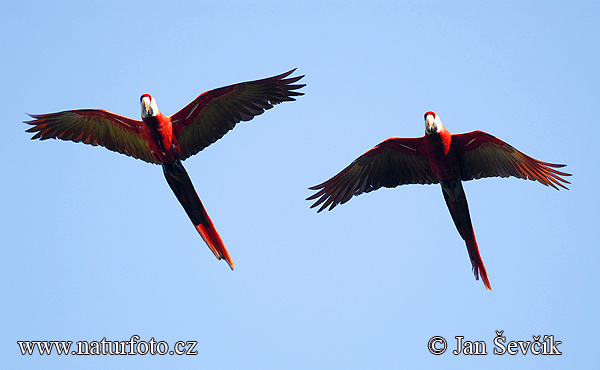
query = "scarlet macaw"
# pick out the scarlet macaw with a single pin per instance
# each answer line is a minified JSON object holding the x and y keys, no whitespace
{"x":168,"y":140}
{"x":437,"y":157}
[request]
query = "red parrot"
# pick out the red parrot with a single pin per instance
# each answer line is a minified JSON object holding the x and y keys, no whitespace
{"x":438,"y":157}
{"x":168,"y":140}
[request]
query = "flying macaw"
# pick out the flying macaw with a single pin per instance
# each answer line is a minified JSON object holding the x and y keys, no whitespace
{"x":168,"y":140}
{"x":437,"y":157}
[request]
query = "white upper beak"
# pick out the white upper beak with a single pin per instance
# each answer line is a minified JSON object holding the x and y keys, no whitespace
{"x":431,"y":124}
{"x":149,"y":107}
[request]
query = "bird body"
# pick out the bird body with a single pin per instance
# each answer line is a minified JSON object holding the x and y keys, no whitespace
{"x":168,"y":140}
{"x":158,"y":132}
{"x":438,"y":157}
{"x":442,"y":158}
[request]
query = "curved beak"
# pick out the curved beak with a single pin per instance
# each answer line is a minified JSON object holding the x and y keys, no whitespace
{"x":147,"y":110}
{"x":430,"y":125}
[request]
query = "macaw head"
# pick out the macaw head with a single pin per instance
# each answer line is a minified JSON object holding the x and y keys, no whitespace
{"x":149,"y":107}
{"x":433,"y":124}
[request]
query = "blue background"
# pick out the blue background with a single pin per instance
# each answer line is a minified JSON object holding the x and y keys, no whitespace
{"x":94,"y":244}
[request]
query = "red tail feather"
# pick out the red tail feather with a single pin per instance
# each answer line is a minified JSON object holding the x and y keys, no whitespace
{"x":477,"y":262}
{"x":456,"y":201}
{"x":180,"y":183}
{"x":214,"y":242}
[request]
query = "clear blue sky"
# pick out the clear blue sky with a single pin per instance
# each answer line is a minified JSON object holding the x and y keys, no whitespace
{"x":94,"y":244}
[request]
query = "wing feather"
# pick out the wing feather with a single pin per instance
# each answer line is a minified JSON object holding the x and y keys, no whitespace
{"x":483,"y":155}
{"x":396,"y":161}
{"x":93,"y":127}
{"x":212,"y":114}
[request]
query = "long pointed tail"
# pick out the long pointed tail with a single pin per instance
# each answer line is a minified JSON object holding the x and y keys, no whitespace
{"x":182,"y":186}
{"x":477,"y":262}
{"x":456,"y":200}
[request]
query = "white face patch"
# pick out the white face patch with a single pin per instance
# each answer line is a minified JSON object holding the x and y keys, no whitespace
{"x":433,"y":124}
{"x":149,"y":106}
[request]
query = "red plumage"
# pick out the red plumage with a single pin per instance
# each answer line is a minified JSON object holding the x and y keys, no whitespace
{"x":437,"y":157}
{"x":167,"y":140}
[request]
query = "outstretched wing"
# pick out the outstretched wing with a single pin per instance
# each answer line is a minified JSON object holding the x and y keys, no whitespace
{"x":483,"y":155}
{"x":212,"y":114}
{"x":94,"y":127}
{"x":396,"y":161}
